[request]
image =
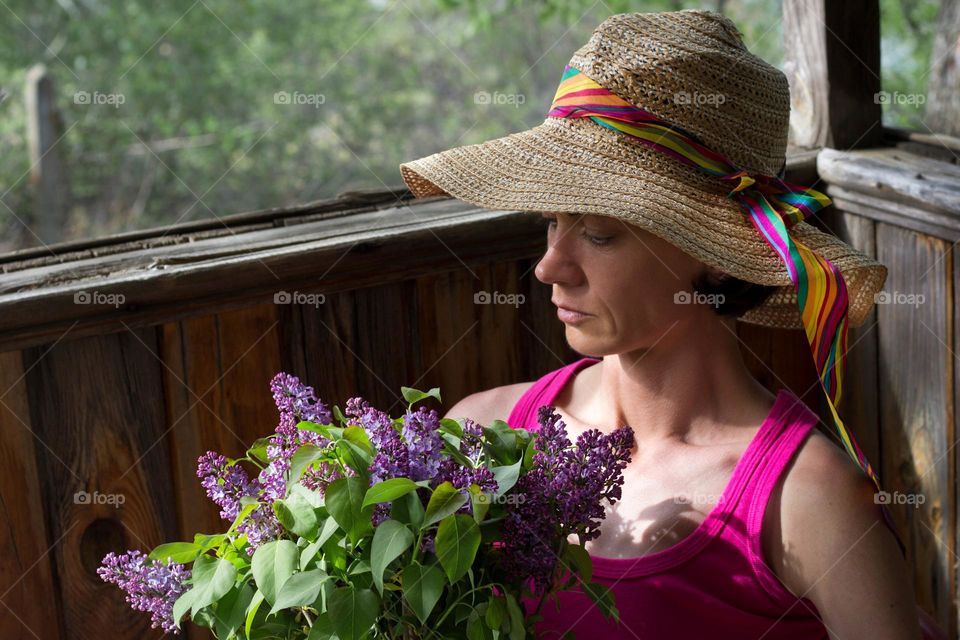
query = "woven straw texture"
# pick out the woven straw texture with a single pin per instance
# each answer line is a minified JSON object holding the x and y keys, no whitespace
{"x":660,"y":62}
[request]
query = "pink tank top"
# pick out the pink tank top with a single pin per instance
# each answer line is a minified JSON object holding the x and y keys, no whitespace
{"x":714,"y":583}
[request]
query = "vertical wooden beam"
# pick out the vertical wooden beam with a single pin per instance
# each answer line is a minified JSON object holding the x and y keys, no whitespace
{"x":48,"y":173}
{"x":915,"y":366}
{"x":833,"y":65}
{"x":26,"y":565}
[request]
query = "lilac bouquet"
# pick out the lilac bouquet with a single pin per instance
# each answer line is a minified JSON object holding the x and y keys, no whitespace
{"x":361,"y":525}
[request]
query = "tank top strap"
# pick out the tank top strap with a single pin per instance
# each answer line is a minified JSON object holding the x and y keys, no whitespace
{"x":543,"y":391}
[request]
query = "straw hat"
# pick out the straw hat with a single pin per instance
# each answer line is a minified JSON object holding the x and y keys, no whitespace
{"x":691,"y":69}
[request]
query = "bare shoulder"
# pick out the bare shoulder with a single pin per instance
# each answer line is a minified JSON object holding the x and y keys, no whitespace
{"x":489,"y":405}
{"x":823,"y":502}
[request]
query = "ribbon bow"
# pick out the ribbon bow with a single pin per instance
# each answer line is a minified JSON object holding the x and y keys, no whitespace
{"x":773,"y":206}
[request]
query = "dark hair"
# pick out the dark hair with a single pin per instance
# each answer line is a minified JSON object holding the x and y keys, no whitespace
{"x":737,"y":296}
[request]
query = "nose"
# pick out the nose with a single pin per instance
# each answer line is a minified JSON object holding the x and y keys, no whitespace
{"x":558,"y":265}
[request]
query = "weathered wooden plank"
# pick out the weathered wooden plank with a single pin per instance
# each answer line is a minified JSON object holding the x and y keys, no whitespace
{"x":345,"y":203}
{"x":427,"y":241}
{"x":26,"y":566}
{"x":96,"y":405}
{"x":915,"y":393}
{"x":833,"y":65}
{"x":920,"y":182}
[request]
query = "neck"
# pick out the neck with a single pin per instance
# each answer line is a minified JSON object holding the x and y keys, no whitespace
{"x":681,"y":387}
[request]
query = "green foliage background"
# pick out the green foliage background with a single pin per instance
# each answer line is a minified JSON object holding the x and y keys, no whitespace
{"x":398,"y":80}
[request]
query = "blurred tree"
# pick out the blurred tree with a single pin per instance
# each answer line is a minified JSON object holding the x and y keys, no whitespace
{"x":191,"y":109}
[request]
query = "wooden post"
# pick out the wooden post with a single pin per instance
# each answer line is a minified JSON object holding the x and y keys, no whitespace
{"x":833,"y":65}
{"x":48,"y":174}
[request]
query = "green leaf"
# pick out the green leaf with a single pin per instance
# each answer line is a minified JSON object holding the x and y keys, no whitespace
{"x":296,"y":515}
{"x":603,"y":597}
{"x":182,"y":605}
{"x":359,"y":437}
{"x":273,"y":563}
{"x":330,"y":527}
{"x":353,"y":611}
{"x":306,"y":425}
{"x":506,"y":477}
{"x":389,"y":541}
{"x":212,"y":579}
{"x":344,"y":500}
{"x":315,"y":498}
{"x":422,"y":588}
{"x":322,"y":629}
{"x":480,"y":502}
{"x":408,"y":510}
{"x":446,"y":499}
{"x":496,"y":612}
{"x":458,"y":538}
{"x":501,"y":442}
{"x":179,"y":552}
{"x":412,"y":395}
{"x":388,"y":490}
{"x":252,"y":612}
{"x":300,"y":590}
{"x":209,"y":541}
{"x":258,"y":450}
{"x":451,"y":426}
{"x":477,"y":628}
{"x":249,"y":504}
{"x":517,"y":629}
{"x":232,"y":609}
{"x":302,"y":458}
{"x":354,"y":456}
{"x":577,"y":558}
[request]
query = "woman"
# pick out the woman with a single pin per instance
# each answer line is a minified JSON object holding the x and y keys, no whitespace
{"x":666,"y":223}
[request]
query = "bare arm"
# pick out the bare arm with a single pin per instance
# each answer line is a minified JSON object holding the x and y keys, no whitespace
{"x":840,"y":554}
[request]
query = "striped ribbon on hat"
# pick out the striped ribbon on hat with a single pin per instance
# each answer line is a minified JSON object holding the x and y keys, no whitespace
{"x":774,"y":207}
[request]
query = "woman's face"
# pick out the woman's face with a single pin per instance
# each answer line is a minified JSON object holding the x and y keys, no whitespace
{"x":624,"y":277}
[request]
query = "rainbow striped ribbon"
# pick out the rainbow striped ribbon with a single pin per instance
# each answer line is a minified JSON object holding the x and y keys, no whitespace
{"x":774,"y":207}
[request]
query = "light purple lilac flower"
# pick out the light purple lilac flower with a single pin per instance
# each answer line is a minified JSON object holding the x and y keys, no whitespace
{"x":151,"y":585}
{"x":225,"y":483}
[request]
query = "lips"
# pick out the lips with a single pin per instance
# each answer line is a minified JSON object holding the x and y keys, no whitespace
{"x":566,"y":308}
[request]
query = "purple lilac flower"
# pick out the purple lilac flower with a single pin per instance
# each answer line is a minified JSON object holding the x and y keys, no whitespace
{"x":225,"y":483}
{"x":294,"y":398}
{"x":151,"y":585}
{"x":562,"y":494}
{"x":423,"y":443}
{"x":472,"y":441}
{"x":296,"y":402}
{"x":392,"y":459}
{"x":376,"y":423}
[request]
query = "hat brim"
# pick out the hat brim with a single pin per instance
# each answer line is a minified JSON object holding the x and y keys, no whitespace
{"x":578,"y":166}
